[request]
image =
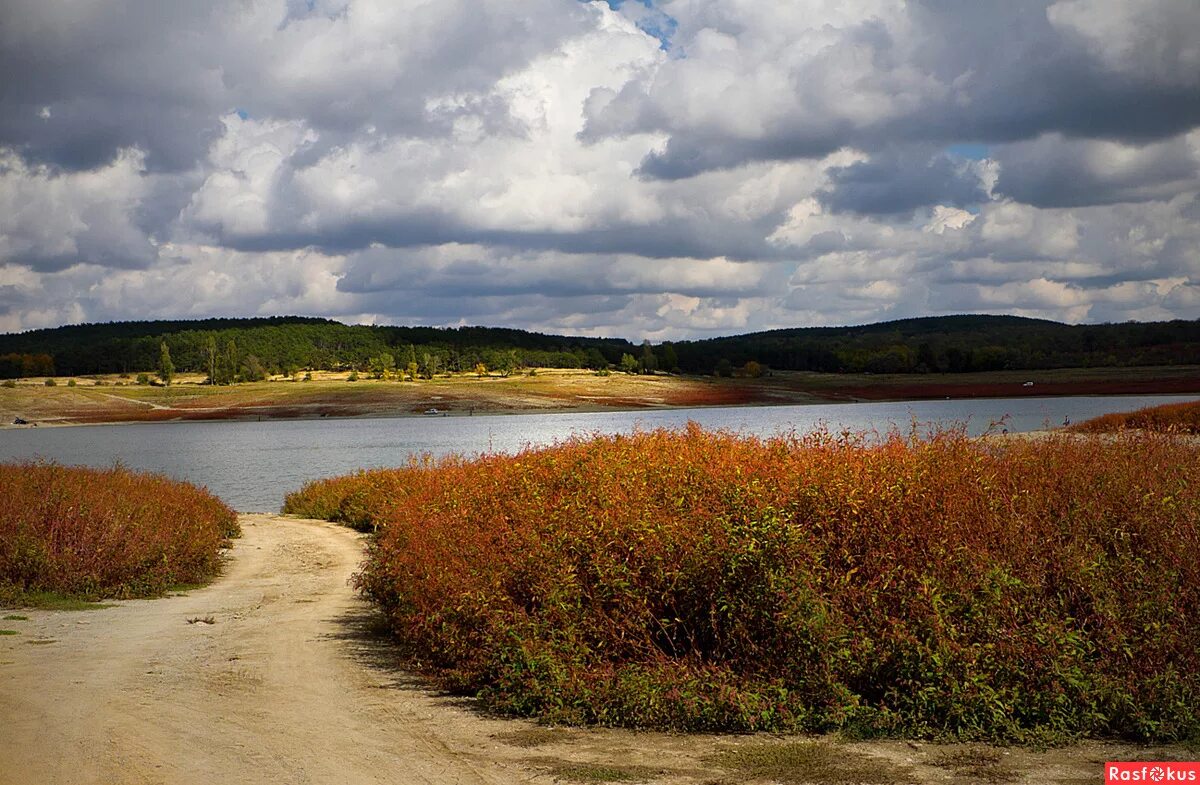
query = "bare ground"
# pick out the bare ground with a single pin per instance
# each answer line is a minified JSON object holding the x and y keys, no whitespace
{"x":277,"y":673}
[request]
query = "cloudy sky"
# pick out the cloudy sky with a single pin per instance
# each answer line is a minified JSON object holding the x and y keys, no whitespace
{"x":654,"y":169}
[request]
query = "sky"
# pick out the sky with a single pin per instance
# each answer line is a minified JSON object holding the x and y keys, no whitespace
{"x":646,"y":169}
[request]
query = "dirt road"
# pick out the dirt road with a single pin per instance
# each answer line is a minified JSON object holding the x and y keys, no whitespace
{"x":281,"y":687}
{"x":291,"y":683}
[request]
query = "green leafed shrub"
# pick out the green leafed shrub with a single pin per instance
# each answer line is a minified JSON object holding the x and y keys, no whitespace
{"x":1016,"y":590}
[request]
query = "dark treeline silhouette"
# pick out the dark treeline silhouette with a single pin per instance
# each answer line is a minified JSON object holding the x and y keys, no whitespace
{"x":949,"y":344}
{"x":230,"y":349}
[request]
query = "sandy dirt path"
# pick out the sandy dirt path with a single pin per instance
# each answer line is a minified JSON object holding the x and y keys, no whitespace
{"x":292,"y":682}
{"x":280,"y":688}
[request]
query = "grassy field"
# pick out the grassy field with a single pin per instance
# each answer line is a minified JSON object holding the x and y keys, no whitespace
{"x":1000,"y":589}
{"x":332,"y":395}
{"x":91,"y":533}
{"x":116,"y":399}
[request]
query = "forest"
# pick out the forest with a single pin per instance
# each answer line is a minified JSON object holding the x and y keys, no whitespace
{"x":248,"y":349}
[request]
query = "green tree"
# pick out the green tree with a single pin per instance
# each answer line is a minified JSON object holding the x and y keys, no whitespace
{"x":382,"y":365}
{"x":408,"y":356}
{"x":724,"y":367}
{"x":752,"y":369}
{"x":166,"y":368}
{"x":431,"y":364}
{"x":595,"y":359}
{"x":649,"y":362}
{"x":670,"y":360}
{"x":227,"y":364}
{"x":210,"y":351}
{"x":252,"y":369}
{"x":629,"y":363}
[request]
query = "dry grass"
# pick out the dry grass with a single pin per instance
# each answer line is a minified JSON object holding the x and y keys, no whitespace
{"x":976,"y":765}
{"x":808,"y":763}
{"x":330,"y":394}
{"x":1170,"y":418}
{"x":532,"y":737}
{"x":575,"y":771}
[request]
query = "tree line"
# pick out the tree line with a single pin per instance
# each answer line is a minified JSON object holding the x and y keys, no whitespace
{"x":228,"y":350}
{"x":948,"y":344}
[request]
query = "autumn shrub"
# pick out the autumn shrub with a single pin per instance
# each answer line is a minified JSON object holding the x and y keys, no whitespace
{"x":1002,"y":589}
{"x":105,"y":532}
{"x":1169,"y":418}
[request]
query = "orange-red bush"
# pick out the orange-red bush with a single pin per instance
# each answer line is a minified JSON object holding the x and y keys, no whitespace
{"x":105,"y":532}
{"x":1005,"y":589}
{"x":1168,"y":418}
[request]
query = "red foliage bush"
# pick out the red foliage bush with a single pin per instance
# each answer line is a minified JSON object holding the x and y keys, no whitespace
{"x":1169,"y":418}
{"x":105,"y":532}
{"x":1003,"y":589}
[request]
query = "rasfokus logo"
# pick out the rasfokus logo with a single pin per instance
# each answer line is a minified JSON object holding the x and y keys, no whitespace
{"x":1152,"y":771}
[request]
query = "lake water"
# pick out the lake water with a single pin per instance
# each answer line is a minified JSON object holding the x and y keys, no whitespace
{"x":251,"y":465}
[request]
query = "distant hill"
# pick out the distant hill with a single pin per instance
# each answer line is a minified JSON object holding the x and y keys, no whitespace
{"x":952,"y":344}
{"x":943,"y":344}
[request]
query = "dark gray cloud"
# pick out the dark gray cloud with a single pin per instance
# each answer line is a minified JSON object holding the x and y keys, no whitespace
{"x":1053,"y":171}
{"x":902,"y":181}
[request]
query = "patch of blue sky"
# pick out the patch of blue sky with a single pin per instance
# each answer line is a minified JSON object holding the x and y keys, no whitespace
{"x":653,"y":21}
{"x":974,"y":151}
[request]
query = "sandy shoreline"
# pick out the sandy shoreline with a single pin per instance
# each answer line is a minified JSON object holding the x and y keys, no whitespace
{"x":550,"y":391}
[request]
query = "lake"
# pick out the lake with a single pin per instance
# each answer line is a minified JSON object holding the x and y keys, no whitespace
{"x":251,"y":465}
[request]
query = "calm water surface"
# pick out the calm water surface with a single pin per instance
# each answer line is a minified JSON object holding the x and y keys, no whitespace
{"x":251,"y":465}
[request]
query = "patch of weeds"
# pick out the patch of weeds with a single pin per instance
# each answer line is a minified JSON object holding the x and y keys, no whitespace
{"x":202,"y":620}
{"x":573,"y":771}
{"x":9,"y":632}
{"x":530,"y":737}
{"x":975,"y":764}
{"x":15,"y":617}
{"x":53,"y":601}
{"x":808,"y":763}
{"x":42,"y":641}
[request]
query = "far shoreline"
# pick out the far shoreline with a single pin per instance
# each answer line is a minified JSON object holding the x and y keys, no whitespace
{"x":95,"y":401}
{"x":565,"y":410}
